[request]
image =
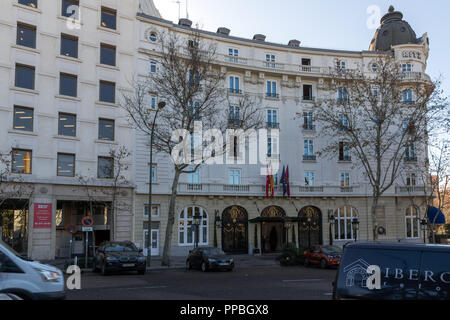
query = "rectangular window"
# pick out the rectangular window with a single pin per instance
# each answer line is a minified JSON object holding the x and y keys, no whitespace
{"x":105,"y":168}
{"x":234,"y":54}
{"x":155,"y":211}
{"x":272,"y":119}
{"x":309,"y":179}
{"x":407,"y":96}
{"x":108,"y":55}
{"x":308,"y":121}
{"x":406,"y":67}
{"x":153,"y":101}
{"x":194,"y":178}
{"x":345,"y":179}
{"x":343,"y":120}
{"x":307,"y":92}
{"x":271,"y":89}
{"x":107,"y":92}
{"x":235,"y":177}
{"x":70,"y":9}
{"x":106,"y":130}
{"x":69,"y":46}
{"x":21,"y":161}
{"x":26,"y":35}
{"x":30,"y":3}
{"x":308,"y":147}
{"x":152,"y":67}
{"x":23,"y":119}
{"x":68,"y":85}
{"x":109,"y":18}
{"x":154,"y":173}
{"x":67,"y":125}
{"x":270,"y":61}
{"x":66,"y":165}
{"x":24,"y":77}
{"x":234,"y":85}
{"x":342,"y":94}
{"x":411,"y":179}
{"x":344,"y":152}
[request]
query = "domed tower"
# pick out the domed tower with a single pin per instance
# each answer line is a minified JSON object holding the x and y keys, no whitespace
{"x":393,"y":31}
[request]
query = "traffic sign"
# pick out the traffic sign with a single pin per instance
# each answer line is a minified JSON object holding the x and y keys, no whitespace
{"x":87,"y":221}
{"x":72,"y":229}
{"x":87,"y":229}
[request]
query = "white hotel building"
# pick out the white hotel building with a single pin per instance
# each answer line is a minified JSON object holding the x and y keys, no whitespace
{"x":60,"y":116}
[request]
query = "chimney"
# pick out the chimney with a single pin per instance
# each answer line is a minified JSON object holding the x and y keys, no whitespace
{"x":185,"y":22}
{"x":259,"y":37}
{"x":294,"y":43}
{"x":223,"y":31}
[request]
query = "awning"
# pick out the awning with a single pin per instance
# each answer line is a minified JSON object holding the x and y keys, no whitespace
{"x":432,"y":213}
{"x":274,"y":219}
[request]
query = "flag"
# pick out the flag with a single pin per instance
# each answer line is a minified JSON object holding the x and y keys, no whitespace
{"x":271,"y":183}
{"x":267,"y":183}
{"x":287,"y":182}
{"x":283,"y":182}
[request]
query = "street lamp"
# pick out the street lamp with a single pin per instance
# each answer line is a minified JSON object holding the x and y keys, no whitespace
{"x":309,"y":232}
{"x":161,"y":105}
{"x":355,"y":223}
{"x":197,"y":221}
{"x":424,"y":224}
{"x":287,"y":226}
{"x":332,"y":220}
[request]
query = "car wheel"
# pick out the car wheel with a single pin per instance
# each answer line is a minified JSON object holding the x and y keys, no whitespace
{"x":94,"y":267}
{"x":204,"y":267}
{"x":306,"y":263}
{"x":141,"y":272}
{"x":323,"y":264}
{"x":104,"y":271}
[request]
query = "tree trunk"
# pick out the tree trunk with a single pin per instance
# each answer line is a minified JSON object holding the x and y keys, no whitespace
{"x":374,"y":217}
{"x":170,"y":220}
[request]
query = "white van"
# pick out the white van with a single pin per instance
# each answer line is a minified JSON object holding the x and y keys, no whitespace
{"x":29,"y":279}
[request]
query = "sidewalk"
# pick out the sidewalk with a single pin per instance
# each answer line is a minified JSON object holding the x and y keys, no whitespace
{"x":241,"y":261}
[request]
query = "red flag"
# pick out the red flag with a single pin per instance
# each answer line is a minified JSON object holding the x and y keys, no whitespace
{"x":272,"y":191}
{"x":287,"y":182}
{"x":267,"y":183}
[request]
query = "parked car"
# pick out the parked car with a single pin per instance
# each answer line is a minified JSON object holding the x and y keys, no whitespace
{"x":29,"y":280}
{"x":117,"y":257}
{"x":209,"y":259}
{"x":407,"y":272}
{"x":324,"y":256}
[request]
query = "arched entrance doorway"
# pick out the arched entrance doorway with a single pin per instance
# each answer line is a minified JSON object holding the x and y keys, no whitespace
{"x":235,"y":230}
{"x":310,"y":227}
{"x":272,"y":229}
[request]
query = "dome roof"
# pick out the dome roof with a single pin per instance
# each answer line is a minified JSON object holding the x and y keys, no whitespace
{"x":393,"y":31}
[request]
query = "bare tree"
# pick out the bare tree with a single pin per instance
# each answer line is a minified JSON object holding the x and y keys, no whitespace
{"x":381,"y":118}
{"x":191,"y":83}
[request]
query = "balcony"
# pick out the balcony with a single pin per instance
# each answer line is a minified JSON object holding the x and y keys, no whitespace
{"x":411,"y":189}
{"x":408,"y":102}
{"x":308,"y":99}
{"x":308,"y":189}
{"x":234,"y":91}
{"x":272,"y":95}
{"x":272,"y":125}
{"x":310,"y":69}
{"x":232,"y":59}
{"x":195,"y":187}
{"x":410,"y":159}
{"x":346,"y":189}
{"x":345,"y":159}
{"x":236,"y":188}
{"x":273,"y":65}
{"x":309,"y":158}
{"x":309,"y":127}
{"x":234,"y":123}
{"x":408,"y":75}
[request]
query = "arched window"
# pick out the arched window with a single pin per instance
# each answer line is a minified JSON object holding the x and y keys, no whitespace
{"x":343,"y":227}
{"x":186,"y":228}
{"x":412,"y":223}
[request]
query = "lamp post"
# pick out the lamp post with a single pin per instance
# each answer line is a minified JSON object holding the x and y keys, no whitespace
{"x":287,"y":227}
{"x":161,"y":105}
{"x":309,"y":232}
{"x":197,"y":221}
{"x":331,"y":220}
{"x":218,"y":224}
{"x":355,"y":223}
{"x":424,"y":224}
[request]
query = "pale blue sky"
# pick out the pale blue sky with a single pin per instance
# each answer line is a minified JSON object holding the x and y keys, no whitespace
{"x":321,"y":23}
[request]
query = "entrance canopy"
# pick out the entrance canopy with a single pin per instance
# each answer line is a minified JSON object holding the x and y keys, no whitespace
{"x":274,"y":219}
{"x":432,"y":213}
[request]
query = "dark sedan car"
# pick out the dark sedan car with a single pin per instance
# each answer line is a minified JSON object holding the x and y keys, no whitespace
{"x":119,"y":256}
{"x":209,"y":259}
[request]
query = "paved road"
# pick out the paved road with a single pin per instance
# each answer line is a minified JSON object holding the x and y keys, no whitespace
{"x":257,"y":283}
